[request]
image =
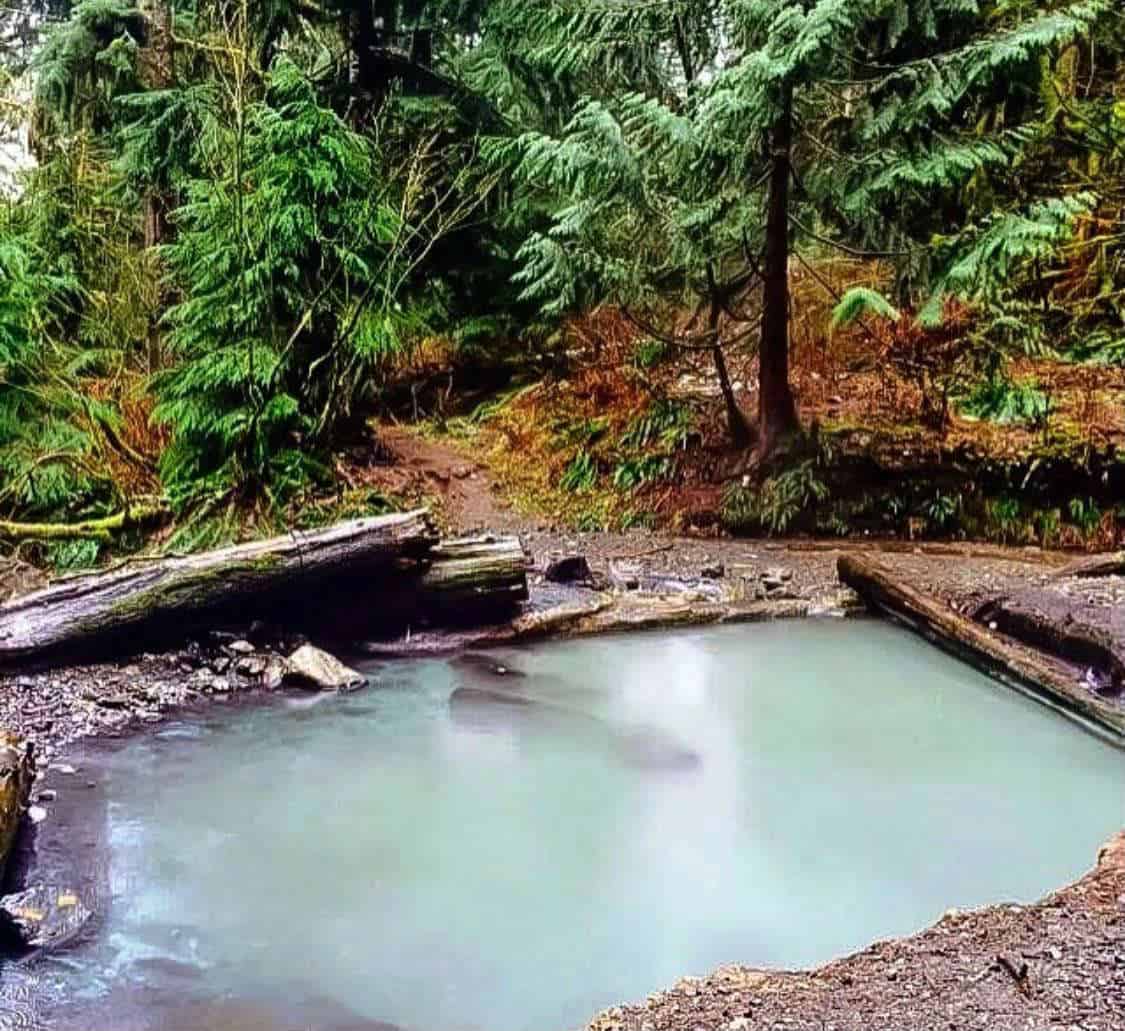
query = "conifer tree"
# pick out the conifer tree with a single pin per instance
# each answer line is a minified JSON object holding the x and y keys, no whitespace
{"x":806,"y":123}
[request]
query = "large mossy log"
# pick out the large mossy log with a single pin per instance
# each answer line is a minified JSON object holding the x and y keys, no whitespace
{"x":1041,"y":677}
{"x":170,"y":596}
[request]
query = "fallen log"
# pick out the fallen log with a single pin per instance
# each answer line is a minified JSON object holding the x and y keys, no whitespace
{"x":1110,"y":564}
{"x":1038,"y":676}
{"x":170,"y":596}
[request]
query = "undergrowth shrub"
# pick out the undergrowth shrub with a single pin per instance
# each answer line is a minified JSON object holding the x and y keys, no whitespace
{"x":778,"y":502}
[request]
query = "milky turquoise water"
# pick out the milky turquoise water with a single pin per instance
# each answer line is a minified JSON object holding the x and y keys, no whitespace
{"x":769,"y":795}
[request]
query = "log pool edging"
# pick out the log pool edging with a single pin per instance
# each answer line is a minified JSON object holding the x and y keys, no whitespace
{"x":1027,"y":671}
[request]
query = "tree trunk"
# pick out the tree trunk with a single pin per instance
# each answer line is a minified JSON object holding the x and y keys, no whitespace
{"x":157,"y":70}
{"x":777,"y":414}
{"x":740,"y":433}
{"x":355,"y":579}
{"x":165,"y":597}
{"x":364,"y":63}
{"x":464,"y":573}
{"x":91,"y":529}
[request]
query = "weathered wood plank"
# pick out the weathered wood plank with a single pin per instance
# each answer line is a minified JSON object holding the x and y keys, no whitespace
{"x":1028,"y":671}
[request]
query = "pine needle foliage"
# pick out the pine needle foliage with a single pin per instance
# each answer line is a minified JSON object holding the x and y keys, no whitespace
{"x":283,"y":264}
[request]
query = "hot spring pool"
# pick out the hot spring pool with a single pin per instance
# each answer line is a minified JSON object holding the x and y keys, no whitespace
{"x":770,"y":795}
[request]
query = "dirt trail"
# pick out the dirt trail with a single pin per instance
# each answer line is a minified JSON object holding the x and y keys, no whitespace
{"x":469,"y":498}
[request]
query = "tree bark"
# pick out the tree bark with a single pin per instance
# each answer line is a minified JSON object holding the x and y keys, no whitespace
{"x":777,"y":413}
{"x":740,"y":434}
{"x":466,"y":573}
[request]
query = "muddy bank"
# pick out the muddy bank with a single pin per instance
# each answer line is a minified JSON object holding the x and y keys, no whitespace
{"x":1059,"y":963}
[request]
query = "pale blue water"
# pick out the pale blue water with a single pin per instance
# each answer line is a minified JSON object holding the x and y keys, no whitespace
{"x":772,"y":795}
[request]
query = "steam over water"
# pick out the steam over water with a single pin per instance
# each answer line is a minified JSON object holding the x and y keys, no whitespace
{"x":651,"y":806}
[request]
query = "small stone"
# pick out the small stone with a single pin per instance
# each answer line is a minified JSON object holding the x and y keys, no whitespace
{"x":309,"y":665}
{"x":48,"y":795}
{"x":569,"y":569}
{"x":251,"y":666}
{"x":714,"y":571}
{"x":65,"y":768}
{"x":220,"y":685}
{"x":36,"y":814}
{"x":241,"y":648}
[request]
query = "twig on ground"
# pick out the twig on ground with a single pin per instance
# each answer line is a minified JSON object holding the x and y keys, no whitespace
{"x":640,"y":554}
{"x":1018,"y":975}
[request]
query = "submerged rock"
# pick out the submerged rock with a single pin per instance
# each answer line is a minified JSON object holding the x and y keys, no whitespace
{"x":650,"y":748}
{"x":312,"y":667}
{"x":44,"y":916}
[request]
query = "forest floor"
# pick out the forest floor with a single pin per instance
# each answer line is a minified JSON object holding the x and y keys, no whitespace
{"x":617,"y":433}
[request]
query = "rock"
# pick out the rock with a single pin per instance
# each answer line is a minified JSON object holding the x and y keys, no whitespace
{"x":17,"y":771}
{"x":36,"y":814}
{"x":220,"y":664}
{"x":251,"y":666}
{"x":220,"y":685}
{"x":714,"y":571}
{"x":44,"y":916}
{"x":776,"y":576}
{"x":310,"y":666}
{"x":569,"y":569}
{"x":273,"y":674}
{"x":48,"y":795}
{"x":241,"y":648}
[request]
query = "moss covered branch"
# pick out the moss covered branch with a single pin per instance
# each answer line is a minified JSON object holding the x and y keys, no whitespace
{"x":91,"y":529}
